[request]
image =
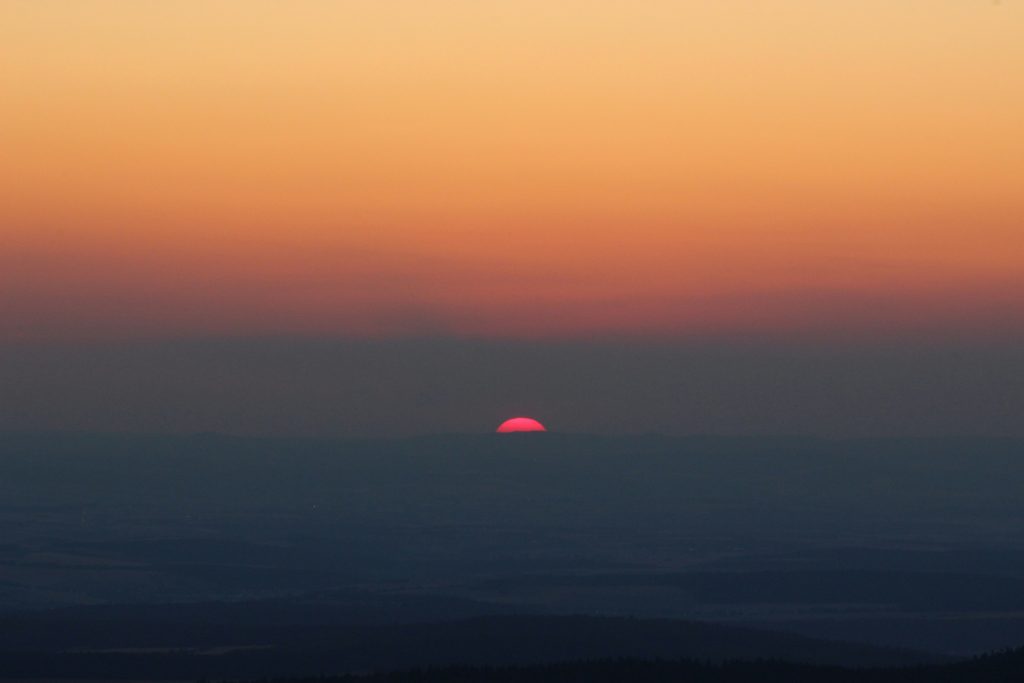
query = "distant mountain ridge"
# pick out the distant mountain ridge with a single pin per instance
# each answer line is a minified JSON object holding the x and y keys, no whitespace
{"x":109,"y":647}
{"x":1001,"y":668}
{"x":914,"y":543}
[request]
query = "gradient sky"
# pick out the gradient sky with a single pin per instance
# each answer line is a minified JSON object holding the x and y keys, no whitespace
{"x":758,"y":172}
{"x":526,"y":168}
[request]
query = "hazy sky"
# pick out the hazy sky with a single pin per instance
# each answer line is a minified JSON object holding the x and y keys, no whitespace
{"x":422,"y":386}
{"x":803,"y":173}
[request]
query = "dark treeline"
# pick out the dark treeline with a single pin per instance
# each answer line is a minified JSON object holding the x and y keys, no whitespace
{"x":999,"y":668}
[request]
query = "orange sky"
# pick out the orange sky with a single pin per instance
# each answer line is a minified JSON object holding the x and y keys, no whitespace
{"x":525,"y":168}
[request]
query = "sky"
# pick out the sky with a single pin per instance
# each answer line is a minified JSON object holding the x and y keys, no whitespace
{"x":838,"y":182}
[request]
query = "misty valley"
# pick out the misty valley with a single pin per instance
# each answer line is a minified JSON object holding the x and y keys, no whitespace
{"x":174,"y":558}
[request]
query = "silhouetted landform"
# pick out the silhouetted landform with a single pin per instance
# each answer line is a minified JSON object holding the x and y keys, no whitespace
{"x":212,"y":625}
{"x":1002,"y":668}
{"x":917,"y":591}
{"x":590,"y":478}
{"x":908,"y":543}
{"x":494,"y":641}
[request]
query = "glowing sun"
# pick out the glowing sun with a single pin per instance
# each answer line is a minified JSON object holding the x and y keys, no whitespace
{"x":520,"y":424}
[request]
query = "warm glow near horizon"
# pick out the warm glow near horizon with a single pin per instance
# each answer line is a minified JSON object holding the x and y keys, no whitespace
{"x":513,"y":169}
